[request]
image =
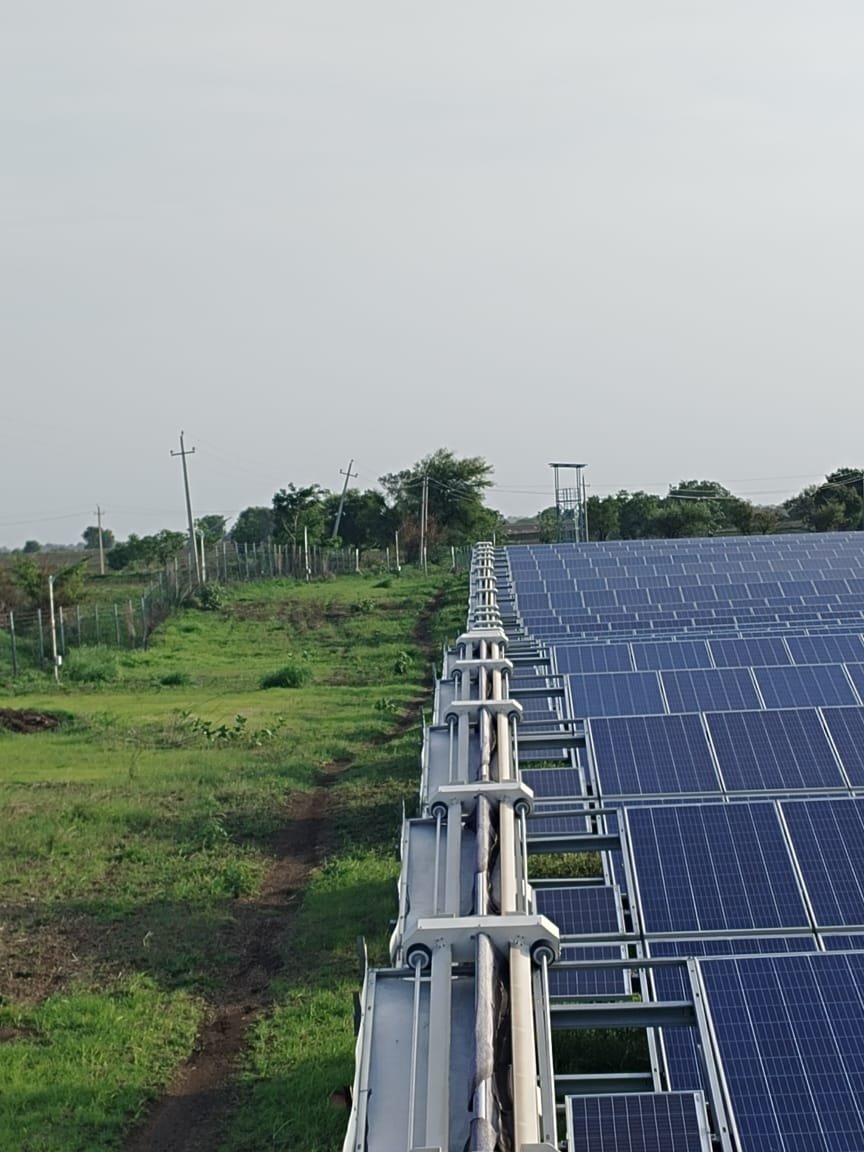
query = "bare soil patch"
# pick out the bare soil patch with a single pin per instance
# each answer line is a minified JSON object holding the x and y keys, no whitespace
{"x":21,"y":720}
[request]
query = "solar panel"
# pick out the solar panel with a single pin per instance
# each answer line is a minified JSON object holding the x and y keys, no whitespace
{"x":773,"y":751}
{"x":826,"y":649}
{"x":828,"y":841}
{"x":617,"y":694}
{"x":807,"y":685}
{"x":545,"y":824}
{"x":747,"y":653}
{"x":638,"y":1122}
{"x":856,"y":674}
{"x":663,"y":654}
{"x":640,"y":755}
{"x":713,"y":868}
{"x":850,"y":942}
{"x":710,"y":690}
{"x":553,"y":781}
{"x":588,"y":909}
{"x":846,"y":726}
{"x":595,"y":658}
{"x":737,"y":946}
{"x":790,"y":1034}
{"x":590,"y":983}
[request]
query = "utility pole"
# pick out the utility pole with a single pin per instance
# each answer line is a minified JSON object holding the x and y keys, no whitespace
{"x":101,"y":549}
{"x":424,"y":517}
{"x":193,"y":544}
{"x":349,"y":475}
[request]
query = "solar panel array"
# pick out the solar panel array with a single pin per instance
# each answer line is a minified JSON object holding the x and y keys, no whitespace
{"x":719,"y":685}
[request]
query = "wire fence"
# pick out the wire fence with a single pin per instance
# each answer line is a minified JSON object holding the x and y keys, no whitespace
{"x":27,"y":639}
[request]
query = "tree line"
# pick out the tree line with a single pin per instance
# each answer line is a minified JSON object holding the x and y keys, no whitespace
{"x":706,"y":508}
{"x":455,"y":512}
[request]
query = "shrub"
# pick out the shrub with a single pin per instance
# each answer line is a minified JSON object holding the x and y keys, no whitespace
{"x":91,"y":664}
{"x":174,"y":679}
{"x":211,"y":597}
{"x":291,"y":676}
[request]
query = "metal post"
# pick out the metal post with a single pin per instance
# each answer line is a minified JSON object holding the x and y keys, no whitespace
{"x":14,"y":645}
{"x":62,"y":631}
{"x":41,"y":636}
{"x":54,"y":661}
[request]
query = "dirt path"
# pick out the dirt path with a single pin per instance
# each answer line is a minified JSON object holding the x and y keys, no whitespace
{"x":189,"y":1117}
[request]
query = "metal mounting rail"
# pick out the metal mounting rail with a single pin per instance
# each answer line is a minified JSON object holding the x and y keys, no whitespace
{"x":454,"y":1041}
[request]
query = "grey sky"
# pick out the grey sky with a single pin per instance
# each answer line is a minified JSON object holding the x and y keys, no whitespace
{"x":627,"y":233}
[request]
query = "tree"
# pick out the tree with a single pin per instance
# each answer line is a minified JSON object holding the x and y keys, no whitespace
{"x":213,"y":527}
{"x":32,"y":546}
{"x":456,"y":487}
{"x":833,"y":506}
{"x":147,"y":550}
{"x":31,"y":580}
{"x":297,"y":511}
{"x":367,"y":521}
{"x":604,"y":517}
{"x":90,"y":536}
{"x":253,"y":526}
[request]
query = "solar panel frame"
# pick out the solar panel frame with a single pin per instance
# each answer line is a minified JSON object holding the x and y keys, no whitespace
{"x":846,"y":729}
{"x":805,"y":685}
{"x":651,"y":755}
{"x":616,"y":694}
{"x":638,"y":1122}
{"x":773,"y":751}
{"x":721,"y":868}
{"x":709,"y":689}
{"x":827,"y":838}
{"x":790,"y":1034}
{"x":582,"y":909}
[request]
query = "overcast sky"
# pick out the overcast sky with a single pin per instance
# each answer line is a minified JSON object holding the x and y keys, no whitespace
{"x":625,"y":233}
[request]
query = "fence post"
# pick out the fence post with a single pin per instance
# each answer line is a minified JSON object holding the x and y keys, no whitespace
{"x":41,"y":636}
{"x":62,"y":632}
{"x":143,"y":623}
{"x":78,"y":622}
{"x":14,"y":646}
{"x":117,"y":623}
{"x":98,"y":629}
{"x":130,"y":625}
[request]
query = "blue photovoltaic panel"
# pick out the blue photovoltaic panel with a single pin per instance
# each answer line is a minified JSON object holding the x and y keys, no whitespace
{"x":590,"y":983}
{"x":638,"y":1122}
{"x":828,"y":841}
{"x":710,"y":690}
{"x":826,"y":649}
{"x":640,"y":755}
{"x":790,"y":1034}
{"x":773,"y":751}
{"x":738,"y":946}
{"x":846,"y":726}
{"x":713,"y":868}
{"x":665,"y":654}
{"x":583,"y":910}
{"x":805,"y":686}
{"x":747,"y":653}
{"x":856,"y":673}
{"x":617,"y":694}
{"x":595,"y":658}
{"x":553,"y":782}
{"x":554,"y":824}
{"x":851,"y":942}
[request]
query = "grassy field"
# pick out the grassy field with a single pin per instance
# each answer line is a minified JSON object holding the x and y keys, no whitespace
{"x":188,"y":840}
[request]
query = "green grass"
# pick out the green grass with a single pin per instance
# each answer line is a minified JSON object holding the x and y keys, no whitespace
{"x":133,"y":841}
{"x":74,"y":1068}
